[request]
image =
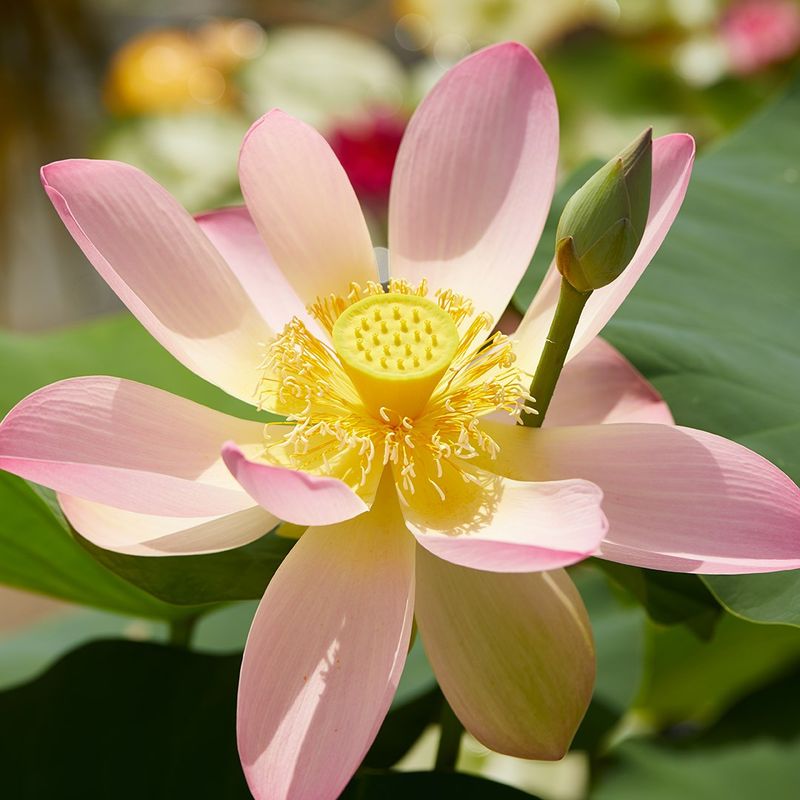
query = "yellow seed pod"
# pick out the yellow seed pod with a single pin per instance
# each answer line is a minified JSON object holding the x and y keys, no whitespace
{"x":395,"y":348}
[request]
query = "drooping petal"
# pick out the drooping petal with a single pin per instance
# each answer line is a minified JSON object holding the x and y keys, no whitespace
{"x":304,"y":207}
{"x":293,"y":496}
{"x":148,"y":535}
{"x":503,"y":525}
{"x":161,"y":265}
{"x":474,"y":177}
{"x":233,"y":232}
{"x":127,"y":445}
{"x":324,"y":656}
{"x":673,"y":157}
{"x":677,"y":499}
{"x":513,"y":653}
{"x":599,"y":386}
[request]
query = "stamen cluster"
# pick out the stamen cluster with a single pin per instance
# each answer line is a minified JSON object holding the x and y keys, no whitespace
{"x":333,"y":432}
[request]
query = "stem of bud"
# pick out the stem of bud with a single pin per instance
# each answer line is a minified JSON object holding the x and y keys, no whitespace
{"x":568,"y":311}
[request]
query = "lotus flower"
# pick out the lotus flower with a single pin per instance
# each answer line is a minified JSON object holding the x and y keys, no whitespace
{"x":424,"y":498}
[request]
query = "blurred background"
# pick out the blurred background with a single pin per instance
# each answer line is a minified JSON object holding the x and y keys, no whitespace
{"x":172,"y":87}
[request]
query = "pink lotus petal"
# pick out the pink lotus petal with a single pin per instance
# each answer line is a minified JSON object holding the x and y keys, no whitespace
{"x":673,"y":157}
{"x":233,"y":232}
{"x":324,"y":656}
{"x":677,"y":499}
{"x":513,"y":654}
{"x":155,"y":257}
{"x":293,"y":496}
{"x":509,"y":526}
{"x":305,"y":208}
{"x":127,"y":445}
{"x":474,"y":177}
{"x":599,"y":386}
{"x":147,"y":535}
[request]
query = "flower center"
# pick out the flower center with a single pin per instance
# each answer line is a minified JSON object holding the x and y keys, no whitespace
{"x":395,"y":348}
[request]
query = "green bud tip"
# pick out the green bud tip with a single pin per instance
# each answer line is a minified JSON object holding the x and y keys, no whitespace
{"x":603,"y":222}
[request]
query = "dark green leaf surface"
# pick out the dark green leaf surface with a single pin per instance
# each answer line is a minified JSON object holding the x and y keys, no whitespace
{"x":670,"y":598}
{"x":128,"y":721}
{"x":772,"y":598}
{"x":240,"y":574}
{"x":124,"y":720}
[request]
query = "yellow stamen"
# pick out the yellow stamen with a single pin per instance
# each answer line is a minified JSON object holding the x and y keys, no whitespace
{"x":410,"y":395}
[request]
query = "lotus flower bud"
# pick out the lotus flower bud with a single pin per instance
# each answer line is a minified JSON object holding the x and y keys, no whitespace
{"x":603,"y":222}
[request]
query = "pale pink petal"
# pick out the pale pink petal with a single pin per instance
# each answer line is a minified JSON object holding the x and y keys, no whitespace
{"x":126,"y":445}
{"x":294,"y":496}
{"x":324,"y":656}
{"x":599,"y":386}
{"x":677,"y":499}
{"x":161,"y":265}
{"x":233,"y":232}
{"x":304,"y":207}
{"x":148,"y":535}
{"x":505,"y":525}
{"x":673,"y":157}
{"x":513,"y":654}
{"x":474,"y":177}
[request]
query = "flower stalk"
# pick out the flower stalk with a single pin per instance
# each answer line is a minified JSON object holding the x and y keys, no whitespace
{"x":571,"y":303}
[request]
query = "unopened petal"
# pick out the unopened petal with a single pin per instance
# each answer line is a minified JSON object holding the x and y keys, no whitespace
{"x":673,"y":157}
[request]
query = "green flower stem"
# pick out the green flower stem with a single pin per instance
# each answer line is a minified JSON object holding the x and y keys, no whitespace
{"x":568,"y":311}
{"x":449,"y":740}
{"x":180,"y":631}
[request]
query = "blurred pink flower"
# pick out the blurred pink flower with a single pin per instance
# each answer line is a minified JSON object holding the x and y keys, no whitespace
{"x":758,"y":33}
{"x":367,"y":149}
{"x":450,"y":513}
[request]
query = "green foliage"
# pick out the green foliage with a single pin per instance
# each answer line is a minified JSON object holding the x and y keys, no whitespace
{"x":773,"y":597}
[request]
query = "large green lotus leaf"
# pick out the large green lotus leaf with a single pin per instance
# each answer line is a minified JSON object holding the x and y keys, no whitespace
{"x":132,"y":720}
{"x":751,"y":751}
{"x":714,"y":321}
